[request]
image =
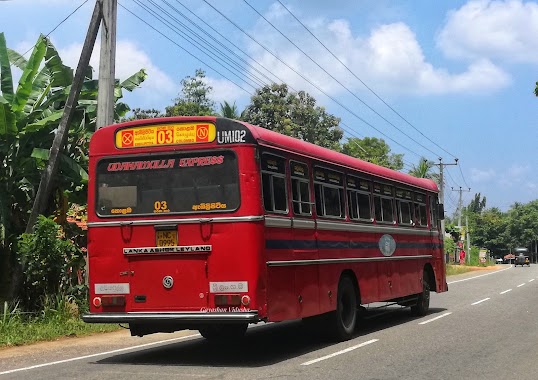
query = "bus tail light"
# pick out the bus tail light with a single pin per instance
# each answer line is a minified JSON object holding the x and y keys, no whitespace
{"x":113,"y":301}
{"x":245,"y":300}
{"x":227,"y":300}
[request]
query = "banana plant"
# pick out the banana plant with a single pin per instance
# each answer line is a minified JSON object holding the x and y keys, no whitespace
{"x":29,"y":116}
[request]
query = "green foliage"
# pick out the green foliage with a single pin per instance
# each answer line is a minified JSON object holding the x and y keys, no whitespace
{"x":477,"y":205}
{"x":57,"y":319}
{"x":194,"y":98}
{"x":29,"y":117}
{"x":275,"y":108}
{"x":50,"y":262}
{"x":373,"y":150}
{"x":139,"y":114}
{"x":229,"y":111}
{"x":449,"y":245}
{"x":424,"y":169}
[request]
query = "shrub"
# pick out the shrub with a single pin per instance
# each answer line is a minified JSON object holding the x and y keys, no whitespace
{"x":50,"y":263}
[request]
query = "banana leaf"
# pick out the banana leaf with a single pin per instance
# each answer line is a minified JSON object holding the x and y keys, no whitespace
{"x":7,"y":119}
{"x":134,"y":80}
{"x":61,"y":74}
{"x":69,"y":166}
{"x":16,"y":59}
{"x":6,"y":79}
{"x":44,"y":123}
{"x":26,"y":82}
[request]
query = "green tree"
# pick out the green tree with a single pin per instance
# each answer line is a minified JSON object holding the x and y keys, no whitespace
{"x":229,"y":111}
{"x":488,"y":229}
{"x":194,"y":98}
{"x":29,"y":116}
{"x":294,"y":114}
{"x":477,"y":205}
{"x":522,"y":224}
{"x":139,"y":113}
{"x":373,"y":150}
{"x":424,"y":169}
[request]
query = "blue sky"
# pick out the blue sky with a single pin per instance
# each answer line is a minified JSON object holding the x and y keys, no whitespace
{"x":460,"y":73}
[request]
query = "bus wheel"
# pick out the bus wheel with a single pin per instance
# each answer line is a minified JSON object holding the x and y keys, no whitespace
{"x":422,"y":306}
{"x":223,"y":332}
{"x":342,"y":322}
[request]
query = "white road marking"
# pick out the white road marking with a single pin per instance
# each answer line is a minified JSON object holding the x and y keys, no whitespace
{"x":477,"y":302}
{"x":520,"y":285}
{"x":482,"y":275}
{"x":506,"y":291}
{"x":98,"y":354}
{"x":340,"y":352}
{"x":434,"y":319}
{"x":531,"y":280}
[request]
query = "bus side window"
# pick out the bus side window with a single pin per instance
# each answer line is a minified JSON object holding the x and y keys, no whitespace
{"x":421,"y":217}
{"x":274,"y":189}
{"x":300,"y":188}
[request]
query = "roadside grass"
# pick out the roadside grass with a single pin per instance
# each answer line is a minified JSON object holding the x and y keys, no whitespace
{"x":18,"y":328}
{"x":452,"y":270}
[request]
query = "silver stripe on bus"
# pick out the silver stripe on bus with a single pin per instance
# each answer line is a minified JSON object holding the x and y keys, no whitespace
{"x":272,"y":221}
{"x":303,"y":224}
{"x":322,"y":225}
{"x":286,"y":263}
{"x":332,"y":226}
{"x":147,"y":222}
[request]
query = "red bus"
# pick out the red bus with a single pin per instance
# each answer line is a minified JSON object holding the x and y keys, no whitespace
{"x":211,"y":224}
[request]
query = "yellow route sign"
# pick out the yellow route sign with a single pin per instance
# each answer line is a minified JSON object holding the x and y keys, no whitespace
{"x":165,"y":134}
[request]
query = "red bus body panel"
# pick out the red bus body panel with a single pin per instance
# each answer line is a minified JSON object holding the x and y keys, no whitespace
{"x":291,"y":265}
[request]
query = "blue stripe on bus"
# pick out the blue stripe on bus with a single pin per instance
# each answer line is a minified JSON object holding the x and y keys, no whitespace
{"x":324,"y":244}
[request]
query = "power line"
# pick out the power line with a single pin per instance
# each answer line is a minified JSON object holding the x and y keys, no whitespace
{"x":181,"y":34}
{"x":336,"y":80}
{"x":56,"y":27}
{"x":360,"y":80}
{"x":310,"y":82}
{"x":182,"y":48}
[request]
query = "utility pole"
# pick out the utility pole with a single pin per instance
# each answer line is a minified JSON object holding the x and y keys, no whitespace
{"x":460,"y":204}
{"x":45,"y":186}
{"x":468,"y":257}
{"x":107,"y":64}
{"x":442,"y":191}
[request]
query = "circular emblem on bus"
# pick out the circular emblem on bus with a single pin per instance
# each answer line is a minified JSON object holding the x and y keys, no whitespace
{"x":387,"y":245}
{"x":202,"y":132}
{"x":168,"y":282}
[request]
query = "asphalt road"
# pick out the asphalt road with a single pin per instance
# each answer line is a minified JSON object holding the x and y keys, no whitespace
{"x":484,"y":327}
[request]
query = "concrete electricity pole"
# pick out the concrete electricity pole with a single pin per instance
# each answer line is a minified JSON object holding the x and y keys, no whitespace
{"x":107,"y":64}
{"x":442,"y":189}
{"x":460,"y":204}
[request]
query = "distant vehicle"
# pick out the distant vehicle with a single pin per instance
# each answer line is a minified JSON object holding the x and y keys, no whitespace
{"x":522,"y":258}
{"x":499,"y":261}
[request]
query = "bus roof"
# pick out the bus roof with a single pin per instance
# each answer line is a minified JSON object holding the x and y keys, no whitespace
{"x":266,"y":137}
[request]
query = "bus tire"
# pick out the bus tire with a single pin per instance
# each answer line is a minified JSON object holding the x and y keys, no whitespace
{"x":343,"y":320}
{"x":222,"y":332}
{"x":422,"y":306}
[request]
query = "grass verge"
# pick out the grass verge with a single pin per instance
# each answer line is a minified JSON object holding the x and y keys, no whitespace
{"x":18,"y":328}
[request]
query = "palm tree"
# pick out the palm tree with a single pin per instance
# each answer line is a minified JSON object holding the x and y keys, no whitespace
{"x":424,"y":170}
{"x":229,"y":111}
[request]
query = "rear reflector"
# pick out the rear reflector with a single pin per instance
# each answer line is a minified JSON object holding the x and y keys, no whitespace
{"x":227,"y":300}
{"x":113,"y":301}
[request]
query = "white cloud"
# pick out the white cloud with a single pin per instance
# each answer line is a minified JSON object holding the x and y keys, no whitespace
{"x":156,"y":89}
{"x":389,"y":57}
{"x":503,"y":30}
{"x":478,"y":175}
{"x":224,"y":90}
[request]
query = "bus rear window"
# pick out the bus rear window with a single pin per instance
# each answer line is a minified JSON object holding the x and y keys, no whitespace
{"x":197,"y":182}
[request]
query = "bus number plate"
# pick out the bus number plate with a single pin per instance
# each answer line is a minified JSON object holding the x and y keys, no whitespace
{"x":166,"y":238}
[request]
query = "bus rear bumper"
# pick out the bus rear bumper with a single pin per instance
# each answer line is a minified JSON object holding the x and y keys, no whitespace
{"x":173,"y":317}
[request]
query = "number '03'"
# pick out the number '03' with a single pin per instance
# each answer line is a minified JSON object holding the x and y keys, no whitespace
{"x":164,"y":137}
{"x":160,"y":205}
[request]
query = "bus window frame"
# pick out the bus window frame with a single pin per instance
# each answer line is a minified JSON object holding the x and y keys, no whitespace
{"x":425,"y":204}
{"x":382,"y":196}
{"x":299,"y":181}
{"x":341,"y":193}
{"x":272,"y":175}
{"x":355,"y":192}
{"x":409,"y":202}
